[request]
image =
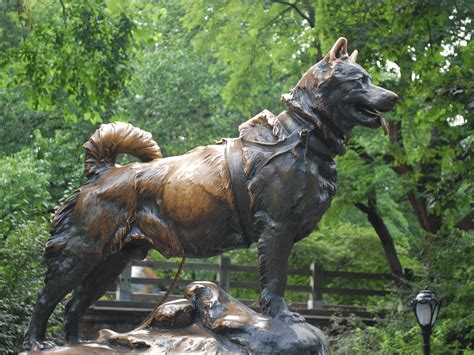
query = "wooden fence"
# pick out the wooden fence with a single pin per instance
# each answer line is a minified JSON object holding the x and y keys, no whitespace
{"x":319,"y":280}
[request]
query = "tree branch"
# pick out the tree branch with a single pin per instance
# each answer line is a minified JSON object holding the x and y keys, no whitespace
{"x":384,"y":235}
{"x":64,"y":13}
{"x":427,"y":221}
{"x":273,"y":20}
{"x":362,"y":207}
{"x":294,"y":7}
{"x":360,"y":150}
{"x":467,"y":222}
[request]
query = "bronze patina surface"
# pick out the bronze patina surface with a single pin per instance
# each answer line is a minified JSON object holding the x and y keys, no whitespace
{"x":270,"y":186}
{"x":208,"y":321}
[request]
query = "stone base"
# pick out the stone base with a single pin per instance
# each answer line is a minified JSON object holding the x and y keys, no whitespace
{"x":209,"y":321}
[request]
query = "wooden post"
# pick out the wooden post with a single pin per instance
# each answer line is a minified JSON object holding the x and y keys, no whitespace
{"x":124,"y":287}
{"x":223,"y":277}
{"x":316,"y":282}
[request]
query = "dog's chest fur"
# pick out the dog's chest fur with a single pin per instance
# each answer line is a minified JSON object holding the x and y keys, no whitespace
{"x":289,"y":185}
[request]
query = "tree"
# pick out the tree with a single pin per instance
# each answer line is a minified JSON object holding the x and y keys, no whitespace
{"x":24,"y":203}
{"x":191,"y":71}
{"x":414,"y":185}
{"x":75,"y":57}
{"x":295,"y":32}
{"x":175,"y":92}
{"x":426,"y":148}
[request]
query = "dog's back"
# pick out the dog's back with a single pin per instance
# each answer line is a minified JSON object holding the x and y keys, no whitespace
{"x":72,"y":229}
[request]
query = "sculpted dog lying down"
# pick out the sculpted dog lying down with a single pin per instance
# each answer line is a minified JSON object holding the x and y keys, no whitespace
{"x":270,"y":186}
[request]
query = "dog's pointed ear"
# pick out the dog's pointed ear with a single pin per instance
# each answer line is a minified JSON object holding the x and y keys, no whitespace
{"x":353,"y":56}
{"x":338,"y":50}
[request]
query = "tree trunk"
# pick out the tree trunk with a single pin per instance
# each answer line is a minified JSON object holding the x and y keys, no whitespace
{"x":385,"y":237}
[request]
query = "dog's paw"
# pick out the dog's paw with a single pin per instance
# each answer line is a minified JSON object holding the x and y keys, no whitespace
{"x":73,"y":340}
{"x":35,"y":345}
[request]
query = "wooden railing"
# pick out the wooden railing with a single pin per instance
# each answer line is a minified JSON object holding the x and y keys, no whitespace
{"x":319,"y":280}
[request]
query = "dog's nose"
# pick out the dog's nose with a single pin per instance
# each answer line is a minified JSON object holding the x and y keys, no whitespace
{"x":392,"y":97}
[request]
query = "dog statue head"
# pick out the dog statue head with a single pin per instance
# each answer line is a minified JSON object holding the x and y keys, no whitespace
{"x":337,"y":94}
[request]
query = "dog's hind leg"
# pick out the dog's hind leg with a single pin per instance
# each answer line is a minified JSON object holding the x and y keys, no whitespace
{"x":63,"y":275}
{"x":96,"y":284}
{"x":91,"y":289}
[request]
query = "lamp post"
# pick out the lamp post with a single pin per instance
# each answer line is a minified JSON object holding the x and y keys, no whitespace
{"x":426,"y":308}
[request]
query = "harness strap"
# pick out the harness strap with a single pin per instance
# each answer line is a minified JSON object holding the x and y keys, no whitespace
{"x":234,"y":158}
{"x":281,"y":146}
{"x":238,"y":181}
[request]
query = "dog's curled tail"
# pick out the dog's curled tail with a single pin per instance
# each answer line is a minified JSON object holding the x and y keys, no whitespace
{"x":117,"y":138}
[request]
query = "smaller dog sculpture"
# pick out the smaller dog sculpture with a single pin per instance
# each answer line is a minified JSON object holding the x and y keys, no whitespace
{"x":270,"y":186}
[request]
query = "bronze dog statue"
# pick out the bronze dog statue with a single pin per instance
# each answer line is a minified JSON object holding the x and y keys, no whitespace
{"x":270,"y":186}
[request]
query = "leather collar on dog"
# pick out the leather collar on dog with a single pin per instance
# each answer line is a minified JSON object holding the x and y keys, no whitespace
{"x":320,"y":142}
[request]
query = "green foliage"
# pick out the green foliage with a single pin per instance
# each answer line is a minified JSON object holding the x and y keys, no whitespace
{"x":190,"y":72}
{"x":18,"y":121}
{"x":75,"y":56}
{"x":11,"y":31}
{"x":264,"y":48}
{"x":64,"y":160}
{"x":23,"y":194}
{"x":25,"y":202}
{"x":175,"y":92}
{"x":77,"y":62}
{"x":433,"y":64}
{"x":454,"y":328}
{"x":452,"y":271}
{"x":398,"y":335}
{"x":189,"y":112}
{"x":420,"y":176}
{"x":31,"y":181}
{"x":21,"y":273}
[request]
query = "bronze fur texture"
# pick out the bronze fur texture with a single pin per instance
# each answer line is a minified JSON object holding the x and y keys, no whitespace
{"x":269,"y":186}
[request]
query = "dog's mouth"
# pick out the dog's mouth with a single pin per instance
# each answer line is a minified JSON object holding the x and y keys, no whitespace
{"x":372,"y":117}
{"x":368,"y":111}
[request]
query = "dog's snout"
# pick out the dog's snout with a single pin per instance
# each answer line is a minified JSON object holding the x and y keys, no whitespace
{"x":392,"y":97}
{"x":386,"y":100}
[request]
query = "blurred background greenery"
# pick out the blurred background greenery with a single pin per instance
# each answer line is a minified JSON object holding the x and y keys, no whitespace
{"x":190,"y":71}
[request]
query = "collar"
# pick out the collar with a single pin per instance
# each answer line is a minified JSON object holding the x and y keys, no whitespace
{"x":322,"y":141}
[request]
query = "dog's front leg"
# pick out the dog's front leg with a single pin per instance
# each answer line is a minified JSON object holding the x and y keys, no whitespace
{"x":274,"y":247}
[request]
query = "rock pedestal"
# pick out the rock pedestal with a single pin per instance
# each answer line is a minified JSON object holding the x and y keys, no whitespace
{"x":209,"y":321}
